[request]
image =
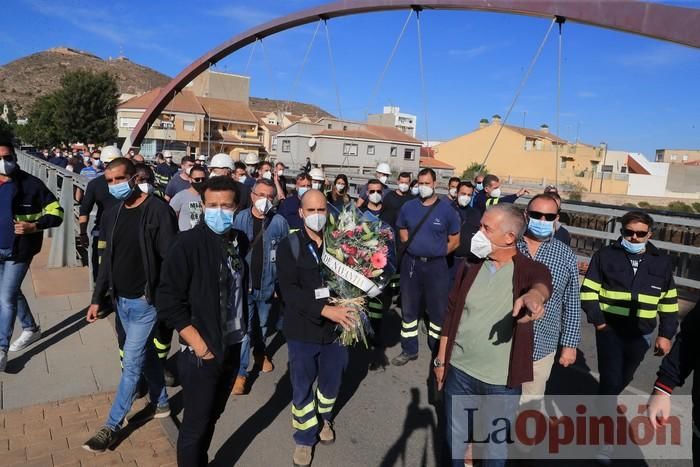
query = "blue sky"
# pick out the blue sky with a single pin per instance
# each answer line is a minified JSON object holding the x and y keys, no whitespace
{"x":635,"y":93}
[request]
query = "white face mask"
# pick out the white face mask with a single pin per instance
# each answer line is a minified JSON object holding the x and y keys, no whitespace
{"x":339,"y":187}
{"x":403,"y":187}
{"x":280,"y":173}
{"x":316,"y":185}
{"x":453,"y":192}
{"x":495,"y":193}
{"x":481,"y":246}
{"x":263,"y":205}
{"x":425,"y":191}
{"x":267,"y":175}
{"x":146,"y":188}
{"x":315,"y":222}
{"x":375,"y":198}
{"x":69,"y":168}
{"x":415,"y":190}
{"x":463,"y":200}
{"x":241,"y":179}
{"x":383,"y":179}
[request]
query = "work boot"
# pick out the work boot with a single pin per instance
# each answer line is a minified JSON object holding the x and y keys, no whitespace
{"x":327,"y":434}
{"x":263,"y":362}
{"x":239,"y":386}
{"x":403,"y":358}
{"x":302,"y":456}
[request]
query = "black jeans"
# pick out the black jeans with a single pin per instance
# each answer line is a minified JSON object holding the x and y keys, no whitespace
{"x":618,"y":359}
{"x":206,"y":387}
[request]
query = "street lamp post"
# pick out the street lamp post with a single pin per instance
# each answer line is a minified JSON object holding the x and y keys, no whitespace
{"x":602,"y":168}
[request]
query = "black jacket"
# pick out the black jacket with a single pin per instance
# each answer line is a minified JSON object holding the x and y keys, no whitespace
{"x":189,"y":292}
{"x":629,"y":303}
{"x":158,"y":229}
{"x":97,"y":192}
{"x":683,"y":359}
{"x":298,"y":280}
{"x":32,"y":202}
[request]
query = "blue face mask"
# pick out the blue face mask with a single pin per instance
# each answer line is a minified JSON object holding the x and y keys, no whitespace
{"x":120,"y":191}
{"x":540,"y":229}
{"x":301,"y":190}
{"x":219,"y":220}
{"x":633,"y":248}
{"x":480,"y":186}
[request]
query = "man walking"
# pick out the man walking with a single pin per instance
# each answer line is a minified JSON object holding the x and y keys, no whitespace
{"x":265,"y":230}
{"x":188,"y":203}
{"x":560,"y":325}
{"x":27,"y":208}
{"x":202,"y":295}
{"x":310,"y":328}
{"x":137,"y":234}
{"x":429,"y":231}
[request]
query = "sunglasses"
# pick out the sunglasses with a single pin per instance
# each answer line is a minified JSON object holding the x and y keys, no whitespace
{"x":374,"y":191}
{"x":548,"y":216}
{"x":634,"y":233}
{"x":198,"y":179}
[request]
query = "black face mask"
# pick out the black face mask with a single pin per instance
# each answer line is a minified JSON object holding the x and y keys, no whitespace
{"x":197,"y":186}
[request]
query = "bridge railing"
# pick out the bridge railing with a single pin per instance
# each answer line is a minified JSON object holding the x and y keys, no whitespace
{"x":63,"y":184}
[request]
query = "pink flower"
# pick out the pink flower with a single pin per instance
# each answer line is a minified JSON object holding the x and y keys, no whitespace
{"x":378,"y":260}
{"x":348,"y":250}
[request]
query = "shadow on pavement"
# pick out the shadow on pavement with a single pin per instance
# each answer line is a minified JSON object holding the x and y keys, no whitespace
{"x":49,"y":337}
{"x":232,"y":450}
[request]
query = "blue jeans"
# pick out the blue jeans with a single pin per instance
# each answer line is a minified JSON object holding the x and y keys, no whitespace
{"x":459,"y":383}
{"x":138,"y":318}
{"x":258,"y":327}
{"x":12,"y":300}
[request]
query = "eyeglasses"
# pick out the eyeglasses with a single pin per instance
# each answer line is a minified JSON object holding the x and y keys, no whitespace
{"x":634,"y":233}
{"x":548,"y":216}
{"x":373,"y":191}
{"x":198,"y":179}
{"x":259,"y":195}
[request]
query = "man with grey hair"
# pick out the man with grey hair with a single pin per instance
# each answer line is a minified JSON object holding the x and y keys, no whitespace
{"x":486,"y":345}
{"x":265,"y":230}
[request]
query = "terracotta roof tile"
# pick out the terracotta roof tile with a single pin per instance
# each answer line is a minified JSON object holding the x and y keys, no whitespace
{"x":375,"y":132}
{"x":536,"y":134}
{"x":184,"y":101}
{"x":431,"y":162}
{"x":221,"y":109}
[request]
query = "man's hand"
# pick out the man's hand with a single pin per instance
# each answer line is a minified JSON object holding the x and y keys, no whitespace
{"x":24,"y":228}
{"x":342,"y":315}
{"x":601,"y":327}
{"x":659,"y":409}
{"x":440,"y":373}
{"x":662,"y":346}
{"x":92,"y":313}
{"x":521,"y":192}
{"x":567,"y":357}
{"x":533,"y":302}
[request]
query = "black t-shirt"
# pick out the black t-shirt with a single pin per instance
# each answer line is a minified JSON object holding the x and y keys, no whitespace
{"x":128,"y":274}
{"x":391,"y":205}
{"x":256,"y":262}
{"x":97,"y":192}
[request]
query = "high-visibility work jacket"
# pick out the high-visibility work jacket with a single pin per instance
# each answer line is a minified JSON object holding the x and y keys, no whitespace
{"x":629,"y":303}
{"x":32,"y":202}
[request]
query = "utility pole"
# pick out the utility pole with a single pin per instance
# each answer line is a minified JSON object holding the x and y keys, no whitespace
{"x":602,"y":168}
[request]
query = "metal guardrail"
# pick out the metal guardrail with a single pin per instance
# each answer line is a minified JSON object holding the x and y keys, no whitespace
{"x":63,"y":184}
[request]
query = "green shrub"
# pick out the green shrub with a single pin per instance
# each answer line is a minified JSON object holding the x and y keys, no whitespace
{"x":679,"y":206}
{"x":575,"y":196}
{"x":696,"y":206}
{"x":644,"y":205}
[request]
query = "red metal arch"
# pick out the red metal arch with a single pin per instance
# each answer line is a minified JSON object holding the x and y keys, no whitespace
{"x":658,"y":21}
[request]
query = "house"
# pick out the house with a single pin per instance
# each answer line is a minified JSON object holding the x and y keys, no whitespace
{"x":342,"y":144}
{"x":443,"y":170}
{"x":392,"y":116}
{"x":677,"y":156}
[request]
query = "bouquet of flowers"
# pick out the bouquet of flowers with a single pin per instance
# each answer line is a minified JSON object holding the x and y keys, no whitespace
{"x":359,"y":260}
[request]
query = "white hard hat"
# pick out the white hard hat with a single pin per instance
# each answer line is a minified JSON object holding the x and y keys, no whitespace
{"x":167,"y":154}
{"x":221,"y":161}
{"x":251,"y":159}
{"x":316,"y":174}
{"x":383,"y":168}
{"x":202,"y":157}
{"x":109,"y":153}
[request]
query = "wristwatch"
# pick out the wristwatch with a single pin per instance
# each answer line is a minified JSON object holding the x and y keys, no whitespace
{"x":437,"y":363}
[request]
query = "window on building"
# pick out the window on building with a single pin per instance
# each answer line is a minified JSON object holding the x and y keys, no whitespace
{"x":345,"y":128}
{"x":393,"y":151}
{"x":409,"y":154}
{"x":271,"y":122}
{"x":127,"y":122}
{"x":370,"y":150}
{"x":529,"y":144}
{"x":350,"y":149}
{"x":607,"y":168}
{"x":674,"y":157}
{"x":685,"y":157}
{"x":285,"y":145}
{"x":188,"y":125}
{"x":330,"y":126}
{"x":242,"y":134}
{"x":562,"y":162}
{"x":223,"y":128}
{"x":273,"y":143}
{"x":539,"y":145}
{"x":623,"y":169}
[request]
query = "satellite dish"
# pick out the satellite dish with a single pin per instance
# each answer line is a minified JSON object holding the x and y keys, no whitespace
{"x":312,"y":143}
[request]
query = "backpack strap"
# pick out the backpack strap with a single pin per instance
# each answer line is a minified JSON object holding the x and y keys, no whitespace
{"x":294,"y":245}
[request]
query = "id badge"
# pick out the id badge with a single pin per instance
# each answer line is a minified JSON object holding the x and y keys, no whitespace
{"x":273,"y":256}
{"x":322,"y":293}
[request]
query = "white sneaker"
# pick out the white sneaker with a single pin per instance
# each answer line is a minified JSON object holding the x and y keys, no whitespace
{"x":25,"y":340}
{"x":3,"y":360}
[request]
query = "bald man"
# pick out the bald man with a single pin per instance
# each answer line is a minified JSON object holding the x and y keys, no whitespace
{"x":310,"y":324}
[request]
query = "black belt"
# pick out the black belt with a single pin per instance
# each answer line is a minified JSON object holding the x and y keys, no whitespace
{"x":427,"y":259}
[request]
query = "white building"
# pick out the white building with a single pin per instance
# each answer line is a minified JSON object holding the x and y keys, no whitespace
{"x":392,"y":116}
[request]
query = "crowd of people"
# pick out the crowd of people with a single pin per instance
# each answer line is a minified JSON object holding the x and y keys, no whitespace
{"x":227,"y":255}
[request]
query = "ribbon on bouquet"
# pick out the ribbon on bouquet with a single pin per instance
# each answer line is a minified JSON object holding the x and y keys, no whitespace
{"x":350,"y":275}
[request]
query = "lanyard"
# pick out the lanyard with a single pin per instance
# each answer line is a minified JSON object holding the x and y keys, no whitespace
{"x":313,"y":252}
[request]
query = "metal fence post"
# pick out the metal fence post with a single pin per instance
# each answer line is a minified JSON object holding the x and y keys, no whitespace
{"x":63,"y":252}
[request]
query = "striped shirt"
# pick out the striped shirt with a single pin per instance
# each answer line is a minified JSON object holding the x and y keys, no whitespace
{"x":561,"y":323}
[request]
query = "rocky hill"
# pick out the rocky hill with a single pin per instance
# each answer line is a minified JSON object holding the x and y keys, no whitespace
{"x":25,"y":79}
{"x":263,"y":104}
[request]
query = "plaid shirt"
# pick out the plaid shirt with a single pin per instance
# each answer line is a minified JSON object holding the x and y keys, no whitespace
{"x":561,"y":323}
